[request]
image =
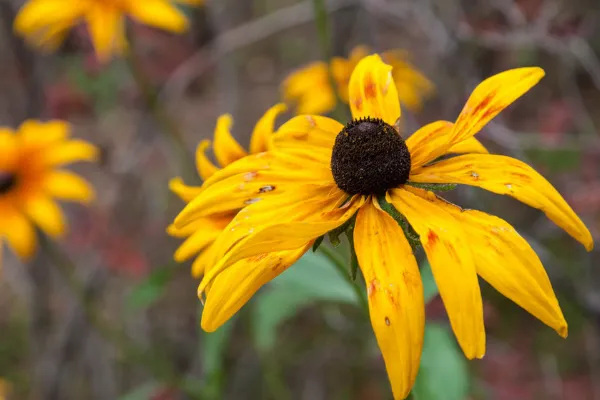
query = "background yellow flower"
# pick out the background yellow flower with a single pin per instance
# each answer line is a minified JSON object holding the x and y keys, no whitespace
{"x":46,"y":22}
{"x":309,"y":87}
{"x":32,"y":177}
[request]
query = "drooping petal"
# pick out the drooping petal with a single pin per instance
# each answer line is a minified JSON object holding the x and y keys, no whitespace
{"x":509,"y":176}
{"x":66,"y":185}
{"x":45,"y":213}
{"x":428,"y":143}
{"x":307,"y":131}
{"x":469,"y":146}
{"x":449,"y":254}
{"x":204,"y":166}
{"x":492,"y":96}
{"x":204,"y":261}
{"x":395,"y":294}
{"x":19,"y":233}
{"x":276,"y":235}
{"x":195,"y":243}
{"x":226,"y":148}
{"x":106,"y":27}
{"x":236,"y":285}
{"x":264,"y":128}
{"x":372,"y":91}
{"x":507,"y":262}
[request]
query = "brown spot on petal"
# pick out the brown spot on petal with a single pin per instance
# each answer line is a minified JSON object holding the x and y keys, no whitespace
{"x":387,"y":321}
{"x":432,"y":237}
{"x":370,"y":87}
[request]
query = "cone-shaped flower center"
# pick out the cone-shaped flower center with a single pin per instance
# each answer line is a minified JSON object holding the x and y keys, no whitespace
{"x":7,"y":182}
{"x":369,"y":157}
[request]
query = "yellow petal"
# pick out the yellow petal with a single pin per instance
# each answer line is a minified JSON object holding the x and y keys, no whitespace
{"x":309,"y":89}
{"x":226,"y":148}
{"x":67,"y":185}
{"x":507,"y":262}
{"x":236,"y":285}
{"x":9,"y":150}
{"x":307,"y":131}
{"x":185,"y":192}
{"x":428,"y":143}
{"x":276,"y":235}
{"x":264,"y":128}
{"x":469,"y":146}
{"x":413,"y":87}
{"x":19,"y":233}
{"x":36,"y":15}
{"x":69,"y":152}
{"x":204,"y":166}
{"x":372,"y":91}
{"x":204,"y":261}
{"x":46,"y":214}
{"x":492,"y":96}
{"x":107,"y":29}
{"x":196,"y":242}
{"x":38,"y":133}
{"x":158,"y":13}
{"x":395,"y":294}
{"x":449,"y":254}
{"x":506,"y":175}
{"x":253,"y":185}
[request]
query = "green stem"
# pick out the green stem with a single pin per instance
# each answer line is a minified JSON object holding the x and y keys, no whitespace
{"x":324,"y":33}
{"x":340,"y":266}
{"x":167,"y":125}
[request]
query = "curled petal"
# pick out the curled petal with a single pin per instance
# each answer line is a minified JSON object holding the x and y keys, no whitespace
{"x":204,"y":166}
{"x":264,"y":128}
{"x":372,"y":91}
{"x":226,"y":148}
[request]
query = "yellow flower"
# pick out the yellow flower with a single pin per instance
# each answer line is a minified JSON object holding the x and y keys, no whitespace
{"x":4,"y":388}
{"x":46,"y":22}
{"x":365,"y":173}
{"x":203,"y":231}
{"x":31,"y":180}
{"x":310,"y":90}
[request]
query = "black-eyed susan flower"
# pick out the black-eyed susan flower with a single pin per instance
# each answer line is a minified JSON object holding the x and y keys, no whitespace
{"x":309,"y":87}
{"x":46,"y":22}
{"x":32,"y":177}
{"x":201,"y":234}
{"x":365,"y":173}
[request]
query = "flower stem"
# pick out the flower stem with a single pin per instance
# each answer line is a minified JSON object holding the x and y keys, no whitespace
{"x":324,"y":33}
{"x":340,"y":266}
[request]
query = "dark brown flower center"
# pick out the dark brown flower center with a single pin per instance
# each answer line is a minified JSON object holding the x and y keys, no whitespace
{"x":7,"y":182}
{"x":369,"y":157}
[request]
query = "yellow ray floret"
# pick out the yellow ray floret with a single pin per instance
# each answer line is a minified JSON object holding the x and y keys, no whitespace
{"x":32,"y":178}
{"x":46,"y":22}
{"x":272,"y":231}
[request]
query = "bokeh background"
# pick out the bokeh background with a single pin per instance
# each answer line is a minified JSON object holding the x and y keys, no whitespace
{"x":136,"y":334}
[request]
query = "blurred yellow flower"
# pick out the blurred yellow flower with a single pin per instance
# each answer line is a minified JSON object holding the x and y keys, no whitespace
{"x":46,"y":22}
{"x":4,"y":386}
{"x":366,"y":174}
{"x":202,"y":232}
{"x":31,"y":179}
{"x":310,"y":90}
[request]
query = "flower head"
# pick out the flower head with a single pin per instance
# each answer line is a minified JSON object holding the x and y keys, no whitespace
{"x":365,"y":173}
{"x":31,"y":178}
{"x":309,"y":88}
{"x":46,"y":22}
{"x":203,"y":231}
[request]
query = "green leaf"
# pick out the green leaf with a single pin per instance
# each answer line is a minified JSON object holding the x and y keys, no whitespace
{"x":214,"y":346}
{"x":430,"y":289}
{"x":150,"y":289}
{"x":313,"y":278}
{"x":143,"y":392}
{"x":317,"y":243}
{"x":443,"y":373}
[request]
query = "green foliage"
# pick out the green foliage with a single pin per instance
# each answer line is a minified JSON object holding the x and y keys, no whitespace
{"x":443,"y":373}
{"x":430,"y":289}
{"x":147,"y":292}
{"x":143,"y":392}
{"x":313,"y":278}
{"x":556,"y":160}
{"x":434,"y":187}
{"x":214,"y":346}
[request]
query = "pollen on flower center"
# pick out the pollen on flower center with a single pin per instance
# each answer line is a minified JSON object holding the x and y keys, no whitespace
{"x":369,"y":157}
{"x":7,"y":182}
